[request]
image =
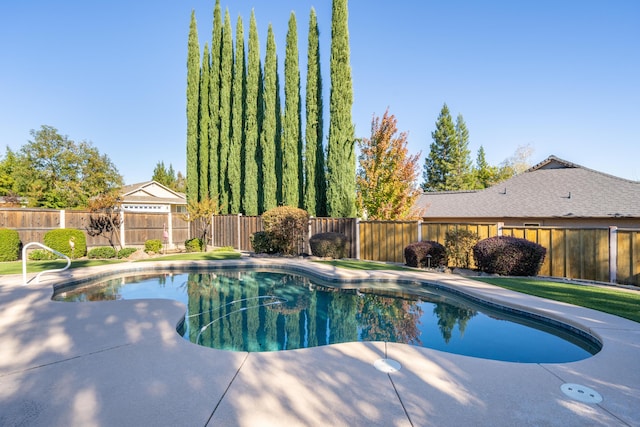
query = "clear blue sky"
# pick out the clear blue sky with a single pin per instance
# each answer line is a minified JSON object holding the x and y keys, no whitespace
{"x":561,"y":76}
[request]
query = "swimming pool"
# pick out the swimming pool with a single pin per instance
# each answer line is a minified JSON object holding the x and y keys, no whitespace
{"x":268,"y":310}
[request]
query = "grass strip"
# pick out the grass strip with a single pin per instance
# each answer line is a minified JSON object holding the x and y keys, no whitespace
{"x":609,"y":300}
{"x":363,"y":265}
{"x":196,"y":256}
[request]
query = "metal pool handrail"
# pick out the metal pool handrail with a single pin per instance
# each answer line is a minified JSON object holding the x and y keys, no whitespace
{"x":24,"y":261}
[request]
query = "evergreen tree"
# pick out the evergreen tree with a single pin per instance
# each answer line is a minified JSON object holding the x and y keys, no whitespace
{"x":214,"y":104}
{"x":315,"y":182}
{"x":462,"y":176}
{"x":268,"y":143}
{"x":292,"y":141}
{"x":438,"y":166}
{"x":237,"y":121}
{"x":193,"y":77}
{"x":203,"y":125}
{"x":226,"y":75}
{"x":252,"y":111}
{"x":484,"y":173}
{"x":386,"y":172}
{"x":341,"y":151}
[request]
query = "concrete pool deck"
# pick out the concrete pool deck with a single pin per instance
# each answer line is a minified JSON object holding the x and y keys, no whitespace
{"x":121,"y":363}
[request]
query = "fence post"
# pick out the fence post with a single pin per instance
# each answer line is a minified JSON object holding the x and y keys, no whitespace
{"x":62,"y":218}
{"x":170,"y":229}
{"x":238,"y":235}
{"x":419,"y":230}
{"x":122,"y":229}
{"x":500,"y":226}
{"x":613,"y":254}
{"x":357,"y":234}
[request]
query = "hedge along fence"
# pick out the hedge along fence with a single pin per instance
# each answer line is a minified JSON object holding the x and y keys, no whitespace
{"x":32,"y":224}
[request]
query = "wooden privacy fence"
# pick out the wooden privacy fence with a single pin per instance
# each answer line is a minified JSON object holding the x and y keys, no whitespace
{"x":236,"y":231}
{"x":600,"y":254}
{"x":136,"y":229}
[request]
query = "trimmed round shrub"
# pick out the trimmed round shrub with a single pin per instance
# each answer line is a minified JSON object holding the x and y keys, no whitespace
{"x":102,"y":252}
{"x":9,"y":245}
{"x":126,"y":252}
{"x":68,"y":241}
{"x":194,"y":245}
{"x":415,"y":254}
{"x":262,"y":243}
{"x":153,"y":245}
{"x":329,"y":245}
{"x":287,"y":227}
{"x":509,"y":256}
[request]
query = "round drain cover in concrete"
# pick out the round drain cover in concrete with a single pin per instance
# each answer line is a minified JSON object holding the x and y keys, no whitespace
{"x":386,"y":365}
{"x":581,"y":393}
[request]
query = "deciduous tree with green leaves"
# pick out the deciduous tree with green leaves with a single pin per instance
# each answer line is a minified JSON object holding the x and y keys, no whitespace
{"x":386,"y":174}
{"x":53,"y":171}
{"x":341,"y":160}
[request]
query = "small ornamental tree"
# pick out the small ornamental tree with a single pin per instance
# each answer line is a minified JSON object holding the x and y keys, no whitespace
{"x":386,"y":172}
{"x":202,"y":212}
{"x":105,"y":219}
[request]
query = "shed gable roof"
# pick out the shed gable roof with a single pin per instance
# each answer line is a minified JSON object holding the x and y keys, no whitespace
{"x":151,"y":192}
{"x":551,"y":189}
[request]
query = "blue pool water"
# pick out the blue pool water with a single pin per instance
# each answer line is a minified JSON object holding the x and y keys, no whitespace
{"x":255,"y":310}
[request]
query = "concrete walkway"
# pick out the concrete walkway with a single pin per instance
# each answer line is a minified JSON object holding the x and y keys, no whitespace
{"x":123,"y":364}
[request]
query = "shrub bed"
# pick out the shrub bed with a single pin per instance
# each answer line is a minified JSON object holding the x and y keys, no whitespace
{"x":153,"y":245}
{"x":126,"y":252}
{"x":509,"y":256}
{"x":102,"y":252}
{"x":329,"y":245}
{"x":262,"y":243}
{"x":9,"y":245}
{"x":194,"y":245}
{"x":68,"y":241}
{"x":415,"y":254}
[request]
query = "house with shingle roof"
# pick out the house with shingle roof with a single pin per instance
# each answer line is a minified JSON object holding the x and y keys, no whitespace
{"x":152,"y":197}
{"x":554,"y":192}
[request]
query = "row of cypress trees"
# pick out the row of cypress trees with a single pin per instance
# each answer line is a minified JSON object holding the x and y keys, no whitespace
{"x":247,"y":153}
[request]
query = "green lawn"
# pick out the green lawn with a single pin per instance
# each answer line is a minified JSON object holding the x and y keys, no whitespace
{"x":38,"y":266}
{"x":364,"y":265}
{"x":608,"y":300}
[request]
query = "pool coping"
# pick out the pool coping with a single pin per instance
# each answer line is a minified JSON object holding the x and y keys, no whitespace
{"x":432,"y":388}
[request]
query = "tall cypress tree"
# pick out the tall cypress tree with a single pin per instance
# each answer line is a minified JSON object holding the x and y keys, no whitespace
{"x":267,"y":172}
{"x":204,"y":117}
{"x":234,"y":168}
{"x":226,"y":75}
{"x":214,"y":105}
{"x":341,"y":161}
{"x":193,"y":78}
{"x":291,"y":138}
{"x":315,"y":180}
{"x":250,"y":191}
